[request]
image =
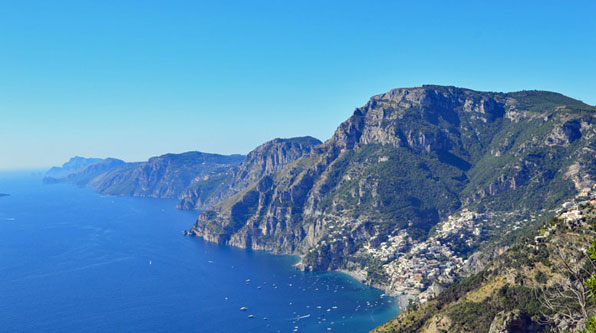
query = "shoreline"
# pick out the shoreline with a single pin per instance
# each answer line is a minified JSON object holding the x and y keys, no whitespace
{"x":401,"y":299}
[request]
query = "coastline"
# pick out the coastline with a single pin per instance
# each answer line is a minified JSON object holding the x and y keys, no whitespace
{"x":402,"y":299}
{"x":212,"y":277}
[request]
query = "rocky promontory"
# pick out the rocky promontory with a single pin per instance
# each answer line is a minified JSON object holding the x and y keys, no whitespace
{"x":264,"y":160}
{"x":414,"y":183}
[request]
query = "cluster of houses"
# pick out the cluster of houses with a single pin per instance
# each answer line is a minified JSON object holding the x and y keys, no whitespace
{"x":412,"y":265}
{"x":573,"y":213}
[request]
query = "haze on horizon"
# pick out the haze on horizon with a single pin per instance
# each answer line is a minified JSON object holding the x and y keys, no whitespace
{"x":117,"y":79}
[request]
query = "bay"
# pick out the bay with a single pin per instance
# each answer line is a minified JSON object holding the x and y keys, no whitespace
{"x":74,"y":260}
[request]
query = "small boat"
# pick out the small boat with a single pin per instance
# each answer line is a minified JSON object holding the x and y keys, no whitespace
{"x":244,"y":308}
{"x":149,"y":262}
{"x":251,"y":316}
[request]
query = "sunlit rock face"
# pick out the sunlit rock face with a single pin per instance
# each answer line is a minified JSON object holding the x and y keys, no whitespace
{"x":406,"y":161}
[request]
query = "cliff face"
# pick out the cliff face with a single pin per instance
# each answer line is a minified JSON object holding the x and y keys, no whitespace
{"x":265,"y":160}
{"x":163,"y":176}
{"x":404,"y":162}
{"x":200,"y":180}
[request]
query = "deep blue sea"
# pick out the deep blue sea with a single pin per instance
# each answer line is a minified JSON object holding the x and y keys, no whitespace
{"x":74,"y":260}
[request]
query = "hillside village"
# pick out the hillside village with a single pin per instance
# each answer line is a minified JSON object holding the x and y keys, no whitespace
{"x":418,"y":271}
{"x":518,"y":288}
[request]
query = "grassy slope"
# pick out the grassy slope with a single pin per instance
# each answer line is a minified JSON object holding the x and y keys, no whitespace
{"x":511,"y":283}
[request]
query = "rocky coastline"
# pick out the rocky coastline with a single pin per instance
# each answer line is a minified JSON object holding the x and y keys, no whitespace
{"x":415,"y":184}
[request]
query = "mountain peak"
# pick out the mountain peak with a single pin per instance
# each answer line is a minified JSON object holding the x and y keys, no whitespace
{"x":407,"y":161}
{"x":267,"y":159}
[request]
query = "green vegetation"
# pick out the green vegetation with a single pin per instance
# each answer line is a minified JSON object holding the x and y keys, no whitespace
{"x":411,"y":158}
{"x":534,"y":284}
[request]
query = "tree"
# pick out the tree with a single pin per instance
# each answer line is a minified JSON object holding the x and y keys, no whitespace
{"x":570,"y":299}
{"x":590,"y":283}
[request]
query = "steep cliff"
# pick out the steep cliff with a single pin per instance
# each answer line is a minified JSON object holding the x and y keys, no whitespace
{"x":264,"y":160}
{"x":164,"y":176}
{"x":406,"y":161}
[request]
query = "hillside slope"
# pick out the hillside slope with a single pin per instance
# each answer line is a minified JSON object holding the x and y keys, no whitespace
{"x":200,"y":180}
{"x":537,"y":284}
{"x":88,"y":172}
{"x":264,"y":160}
{"x":412,"y":184}
{"x":74,"y":164}
{"x":165,"y":176}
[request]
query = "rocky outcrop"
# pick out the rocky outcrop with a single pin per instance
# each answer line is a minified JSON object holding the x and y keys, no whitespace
{"x":566,"y":133}
{"x":405,"y":161}
{"x":266,"y":159}
{"x":513,"y":321}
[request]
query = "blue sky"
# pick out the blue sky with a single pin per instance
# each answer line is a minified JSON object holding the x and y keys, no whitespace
{"x":133,"y":79}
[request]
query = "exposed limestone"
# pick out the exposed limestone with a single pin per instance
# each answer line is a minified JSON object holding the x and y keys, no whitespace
{"x":377,"y":196}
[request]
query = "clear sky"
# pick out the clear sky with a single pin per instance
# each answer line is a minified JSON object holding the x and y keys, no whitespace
{"x":133,"y":79}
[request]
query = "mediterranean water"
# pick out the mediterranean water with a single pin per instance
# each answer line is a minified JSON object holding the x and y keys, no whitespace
{"x":72,"y":260}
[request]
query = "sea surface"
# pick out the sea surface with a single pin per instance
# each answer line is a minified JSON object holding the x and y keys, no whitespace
{"x":74,"y":260}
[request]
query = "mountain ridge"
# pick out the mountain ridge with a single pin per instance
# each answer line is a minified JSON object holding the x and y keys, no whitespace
{"x":266,"y":159}
{"x":198,"y":179}
{"x":164,"y":176}
{"x":400,"y":167}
